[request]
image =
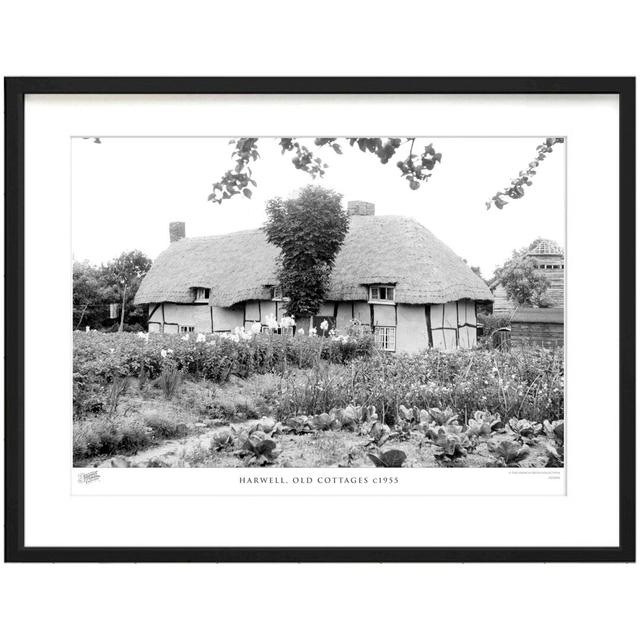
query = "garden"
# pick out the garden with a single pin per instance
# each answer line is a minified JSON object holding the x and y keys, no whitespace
{"x":249,"y":398}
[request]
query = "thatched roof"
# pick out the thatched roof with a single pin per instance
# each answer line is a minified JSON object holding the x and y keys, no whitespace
{"x":378,"y":250}
{"x":236,"y":266}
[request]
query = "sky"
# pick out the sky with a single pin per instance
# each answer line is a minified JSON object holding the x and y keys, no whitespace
{"x":125,"y":191}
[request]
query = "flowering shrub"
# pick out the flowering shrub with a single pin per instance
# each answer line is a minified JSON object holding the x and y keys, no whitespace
{"x":491,"y":322}
{"x":315,"y":374}
{"x":522,"y":384}
{"x":101,"y":358}
{"x":170,"y":379}
{"x":108,"y":438}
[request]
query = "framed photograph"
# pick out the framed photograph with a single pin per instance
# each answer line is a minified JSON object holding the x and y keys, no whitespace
{"x":320,"y":319}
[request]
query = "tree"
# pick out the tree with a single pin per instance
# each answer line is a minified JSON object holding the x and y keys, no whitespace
{"x":123,"y":276}
{"x":88,"y":295}
{"x":414,"y":167}
{"x":478,"y":272}
{"x":309,"y":230}
{"x":522,"y":280}
{"x":515,"y":190}
{"x":95,"y":287}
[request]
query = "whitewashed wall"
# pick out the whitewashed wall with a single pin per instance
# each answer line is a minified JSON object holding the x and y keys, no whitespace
{"x":452,"y":325}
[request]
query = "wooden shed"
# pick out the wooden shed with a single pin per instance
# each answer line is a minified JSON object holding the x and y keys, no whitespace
{"x":538,"y":326}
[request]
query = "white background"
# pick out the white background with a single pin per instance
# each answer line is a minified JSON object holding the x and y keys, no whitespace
{"x":185,"y":167}
{"x":586,"y":516}
{"x":462,"y":38}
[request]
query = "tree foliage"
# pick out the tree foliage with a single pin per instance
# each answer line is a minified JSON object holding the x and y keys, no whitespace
{"x":309,"y":230}
{"x":478,"y":272}
{"x":123,"y":275}
{"x":515,"y":190}
{"x":96,"y":287}
{"x":415,"y":167}
{"x":524,"y":283}
{"x":88,"y":295}
{"x":127,"y":270}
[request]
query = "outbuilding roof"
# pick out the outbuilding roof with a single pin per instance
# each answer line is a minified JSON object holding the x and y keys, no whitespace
{"x":550,"y":315}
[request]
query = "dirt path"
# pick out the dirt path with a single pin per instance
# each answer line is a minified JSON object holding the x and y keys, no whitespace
{"x":169,"y":451}
{"x":319,"y":449}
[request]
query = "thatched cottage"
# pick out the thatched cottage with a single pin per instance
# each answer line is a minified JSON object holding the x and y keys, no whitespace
{"x":391,"y":275}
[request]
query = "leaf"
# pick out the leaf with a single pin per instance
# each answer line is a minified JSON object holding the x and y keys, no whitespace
{"x":247,"y":193}
{"x":558,"y":431}
{"x":265,"y":448}
{"x":380,"y":433}
{"x":377,"y":461}
{"x":517,"y":191}
{"x":321,"y":421}
{"x":510,"y":452}
{"x":383,"y":438}
{"x":393,"y":458}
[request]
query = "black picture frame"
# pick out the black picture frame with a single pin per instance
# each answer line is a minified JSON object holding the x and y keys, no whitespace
{"x":15,"y":91}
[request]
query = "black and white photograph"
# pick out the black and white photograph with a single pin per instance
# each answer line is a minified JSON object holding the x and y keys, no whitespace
{"x":302,"y":302}
{"x":365,"y":311}
{"x":327,"y":304}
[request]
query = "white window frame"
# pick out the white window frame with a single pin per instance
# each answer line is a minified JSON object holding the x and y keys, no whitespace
{"x":555,"y":266}
{"x":202,"y":295}
{"x":374,"y":293}
{"x":385,"y":337}
{"x":186,"y":328}
{"x":276,"y":295}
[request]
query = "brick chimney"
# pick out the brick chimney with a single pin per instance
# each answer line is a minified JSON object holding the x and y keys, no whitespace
{"x":360,"y":208}
{"x":176,"y":231}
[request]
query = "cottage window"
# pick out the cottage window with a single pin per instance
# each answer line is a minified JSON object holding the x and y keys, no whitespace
{"x":287,"y":331}
{"x":385,"y":338}
{"x":382,"y":294}
{"x":277,"y":295}
{"x":202,"y":294}
{"x":187,"y":329}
